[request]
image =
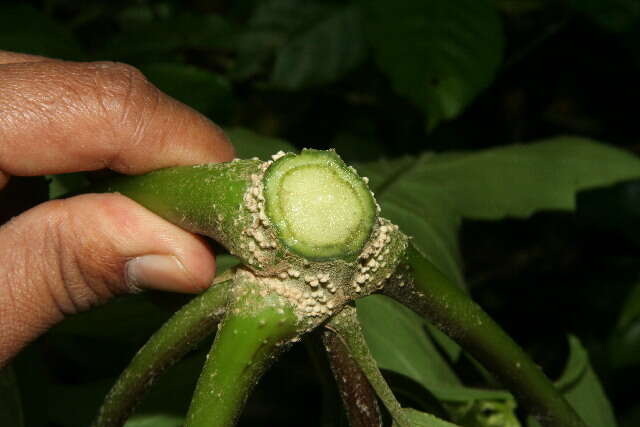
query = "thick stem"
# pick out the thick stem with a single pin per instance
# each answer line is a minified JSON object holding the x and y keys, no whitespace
{"x":358,"y":397}
{"x":257,"y":326}
{"x":347,"y":327}
{"x":450,"y":308}
{"x":186,"y":328}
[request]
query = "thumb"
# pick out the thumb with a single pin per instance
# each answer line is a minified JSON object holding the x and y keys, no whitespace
{"x":65,"y":256}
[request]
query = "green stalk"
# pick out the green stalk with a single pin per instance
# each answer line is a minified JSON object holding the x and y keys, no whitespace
{"x":257,"y":326}
{"x":206,"y":199}
{"x":358,"y":397}
{"x":186,"y":328}
{"x":455,"y":313}
{"x":347,"y":327}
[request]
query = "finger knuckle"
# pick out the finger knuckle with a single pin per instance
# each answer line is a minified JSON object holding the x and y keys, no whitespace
{"x":82,"y":257}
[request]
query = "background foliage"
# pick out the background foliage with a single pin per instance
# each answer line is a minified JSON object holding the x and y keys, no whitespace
{"x":457,"y":111}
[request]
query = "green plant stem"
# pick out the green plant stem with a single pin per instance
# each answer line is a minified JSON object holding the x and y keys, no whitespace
{"x":358,"y":397}
{"x":186,"y":328}
{"x":347,"y":327}
{"x":256,"y":328}
{"x":455,"y":313}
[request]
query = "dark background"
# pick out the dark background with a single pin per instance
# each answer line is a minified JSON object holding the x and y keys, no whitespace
{"x":564,"y":71}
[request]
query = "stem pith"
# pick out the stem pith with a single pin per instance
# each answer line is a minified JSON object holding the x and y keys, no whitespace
{"x":321,"y":209}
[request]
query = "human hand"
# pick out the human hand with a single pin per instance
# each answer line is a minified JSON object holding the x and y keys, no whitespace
{"x":65,"y":256}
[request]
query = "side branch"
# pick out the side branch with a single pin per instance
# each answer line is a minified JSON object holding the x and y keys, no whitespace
{"x":431,"y":294}
{"x":358,"y":398}
{"x":186,"y":328}
{"x":347,"y":328}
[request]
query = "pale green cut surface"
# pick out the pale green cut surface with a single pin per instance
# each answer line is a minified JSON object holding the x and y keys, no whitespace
{"x":320,"y":208}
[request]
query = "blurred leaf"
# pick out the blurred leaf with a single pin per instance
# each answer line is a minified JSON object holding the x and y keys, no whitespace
{"x":27,"y":30}
{"x":323,"y":52}
{"x":485,"y":413}
{"x":152,"y":39}
{"x":398,"y":341}
{"x":201,"y":89}
{"x":250,"y":144}
{"x":581,"y":387}
{"x":438,"y":53}
{"x":77,"y":405}
{"x":421,"y":419}
{"x":312,"y":42}
{"x":625,"y":340}
{"x":62,"y":184}
{"x":428,"y":196}
{"x":631,"y":310}
{"x":129,"y":318}
{"x":272,"y":22}
{"x":614,"y":15}
{"x":155,"y":420}
{"x":10,"y":403}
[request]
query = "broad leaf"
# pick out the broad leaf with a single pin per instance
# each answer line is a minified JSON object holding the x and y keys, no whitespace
{"x":614,"y":15}
{"x":250,"y":144}
{"x":625,"y":340}
{"x":27,"y":30}
{"x":155,"y":420}
{"x":147,"y":37}
{"x":272,"y":24}
{"x":421,"y":419}
{"x":398,"y":341}
{"x":429,"y":195}
{"x":10,"y":403}
{"x":583,"y":390}
{"x":438,"y":53}
{"x":201,"y":89}
{"x":323,"y":52}
{"x":311,"y":42}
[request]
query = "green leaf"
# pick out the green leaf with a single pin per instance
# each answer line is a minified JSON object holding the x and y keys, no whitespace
{"x":323,"y":52}
{"x":201,"y":89}
{"x":614,"y":15}
{"x":310,"y":42}
{"x":485,"y":413}
{"x":583,"y":390}
{"x":135,"y":314}
{"x":250,"y":144}
{"x":625,"y":339}
{"x":631,"y":310}
{"x":25,"y":29}
{"x":62,"y":184}
{"x":271,"y":25}
{"x":10,"y":402}
{"x":148,"y":38}
{"x":428,"y":196}
{"x":438,"y":53}
{"x":422,"y":419}
{"x":155,"y":420}
{"x":398,"y":341}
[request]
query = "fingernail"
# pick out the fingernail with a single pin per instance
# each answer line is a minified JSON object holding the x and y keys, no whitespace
{"x":160,"y":272}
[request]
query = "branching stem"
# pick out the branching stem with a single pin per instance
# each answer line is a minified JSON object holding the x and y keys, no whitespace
{"x":186,"y":328}
{"x":347,"y":327}
{"x":257,"y":326}
{"x":450,"y":308}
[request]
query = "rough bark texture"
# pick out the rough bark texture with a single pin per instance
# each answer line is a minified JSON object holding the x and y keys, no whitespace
{"x":359,"y":399}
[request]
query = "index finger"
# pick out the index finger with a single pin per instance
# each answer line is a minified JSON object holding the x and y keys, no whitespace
{"x":58,"y":116}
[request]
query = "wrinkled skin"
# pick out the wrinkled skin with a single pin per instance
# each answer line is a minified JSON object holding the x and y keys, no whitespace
{"x":65,"y":256}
